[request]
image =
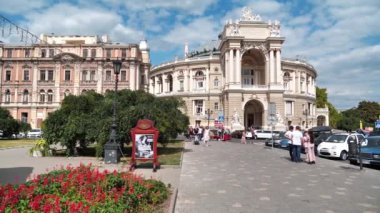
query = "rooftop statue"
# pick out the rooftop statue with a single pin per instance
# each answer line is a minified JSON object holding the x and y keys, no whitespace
{"x":247,"y":15}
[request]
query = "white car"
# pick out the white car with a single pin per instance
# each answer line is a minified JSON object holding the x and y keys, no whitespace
{"x":266,"y":134}
{"x":336,"y":145}
{"x":34,"y":133}
{"x":1,"y":133}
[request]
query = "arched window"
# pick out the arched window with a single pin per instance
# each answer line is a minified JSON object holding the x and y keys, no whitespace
{"x":84,"y":75}
{"x":216,"y":83}
{"x":287,"y":80}
{"x":92,"y":75}
{"x":25,"y":96}
{"x":7,"y":96}
{"x":199,"y":80}
{"x":50,"y":96}
{"x":170,"y":81}
{"x":42,"y":96}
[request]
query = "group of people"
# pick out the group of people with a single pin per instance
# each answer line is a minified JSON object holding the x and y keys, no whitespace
{"x":200,"y":134}
{"x":298,"y":140}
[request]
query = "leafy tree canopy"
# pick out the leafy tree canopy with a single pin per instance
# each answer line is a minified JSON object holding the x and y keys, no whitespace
{"x":8,"y":124}
{"x":87,"y":118}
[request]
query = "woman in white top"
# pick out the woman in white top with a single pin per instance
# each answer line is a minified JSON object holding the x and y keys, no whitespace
{"x":206,"y":136}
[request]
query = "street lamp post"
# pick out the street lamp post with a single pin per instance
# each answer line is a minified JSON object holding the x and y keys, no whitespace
{"x":208,"y":116}
{"x":111,"y":148}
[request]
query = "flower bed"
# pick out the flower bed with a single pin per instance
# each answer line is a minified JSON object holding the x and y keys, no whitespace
{"x":84,"y":189}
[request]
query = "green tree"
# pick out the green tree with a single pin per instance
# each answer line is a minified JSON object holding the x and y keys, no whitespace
{"x":369,"y":112}
{"x":87,"y":118}
{"x":8,"y":124}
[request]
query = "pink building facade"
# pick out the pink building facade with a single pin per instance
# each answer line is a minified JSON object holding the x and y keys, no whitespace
{"x":35,"y":79}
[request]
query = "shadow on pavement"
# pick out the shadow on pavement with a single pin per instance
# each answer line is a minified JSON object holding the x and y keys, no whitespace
{"x":15,"y":175}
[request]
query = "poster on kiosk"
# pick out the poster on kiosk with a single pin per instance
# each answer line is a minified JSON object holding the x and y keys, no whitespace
{"x":144,"y":143}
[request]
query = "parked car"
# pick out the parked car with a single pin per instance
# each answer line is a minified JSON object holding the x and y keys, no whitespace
{"x":336,"y":145}
{"x":1,"y":133}
{"x":369,"y":152}
{"x":34,"y":133}
{"x":265,"y":134}
{"x":276,"y":140}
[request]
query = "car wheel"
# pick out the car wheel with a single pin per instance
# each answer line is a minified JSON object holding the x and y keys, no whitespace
{"x":343,"y":155}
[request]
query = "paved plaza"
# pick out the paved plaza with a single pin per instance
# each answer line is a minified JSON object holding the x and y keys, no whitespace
{"x":234,"y":177}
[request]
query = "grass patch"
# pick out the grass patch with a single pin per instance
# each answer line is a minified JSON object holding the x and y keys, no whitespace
{"x":169,"y":155}
{"x":11,"y":143}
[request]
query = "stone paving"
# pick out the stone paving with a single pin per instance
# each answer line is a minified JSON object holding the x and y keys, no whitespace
{"x":234,"y":177}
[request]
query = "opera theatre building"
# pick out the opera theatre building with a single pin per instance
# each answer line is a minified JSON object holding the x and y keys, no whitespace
{"x":237,"y":81}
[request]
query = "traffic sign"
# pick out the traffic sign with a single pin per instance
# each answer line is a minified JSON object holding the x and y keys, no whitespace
{"x":377,"y":124}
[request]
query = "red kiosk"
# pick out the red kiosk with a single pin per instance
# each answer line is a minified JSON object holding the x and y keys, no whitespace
{"x":144,"y":143}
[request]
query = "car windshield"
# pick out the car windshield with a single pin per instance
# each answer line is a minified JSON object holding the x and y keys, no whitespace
{"x":336,"y":138}
{"x":35,"y":130}
{"x":373,"y":142}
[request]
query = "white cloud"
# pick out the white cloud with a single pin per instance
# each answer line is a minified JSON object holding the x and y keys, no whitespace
{"x":197,"y":32}
{"x":194,"y":7}
{"x":66,"y":19}
{"x":20,"y":6}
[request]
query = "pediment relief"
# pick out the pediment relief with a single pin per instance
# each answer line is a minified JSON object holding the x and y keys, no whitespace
{"x":67,"y":57}
{"x":26,"y":66}
{"x":8,"y":66}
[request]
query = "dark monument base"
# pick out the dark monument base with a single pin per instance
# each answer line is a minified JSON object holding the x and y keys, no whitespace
{"x":111,"y":153}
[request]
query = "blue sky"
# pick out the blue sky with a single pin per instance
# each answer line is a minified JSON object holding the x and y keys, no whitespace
{"x":340,"y":38}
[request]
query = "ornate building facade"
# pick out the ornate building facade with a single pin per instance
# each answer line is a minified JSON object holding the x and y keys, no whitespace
{"x":242,"y":80}
{"x":34,"y":79}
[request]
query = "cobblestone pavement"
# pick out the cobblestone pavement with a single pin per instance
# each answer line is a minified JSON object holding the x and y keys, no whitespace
{"x":234,"y":177}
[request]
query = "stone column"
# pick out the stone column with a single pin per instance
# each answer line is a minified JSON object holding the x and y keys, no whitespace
{"x":294,"y":77}
{"x":278,"y":66}
{"x":57,"y":82}
{"x":238,"y":67}
{"x":34,"y":83}
{"x":165,"y":81}
{"x":191,"y":81}
{"x":271,"y":67}
{"x":99,"y":78}
{"x":175,"y":81}
{"x":76,"y":73}
{"x":186,"y":80}
{"x":151,"y":85}
{"x":138,"y":76}
{"x":132,"y":76}
{"x":226,"y":70}
{"x":208,"y":80}
{"x":157,"y":86}
{"x":146,"y":80}
{"x":267,"y":72}
{"x":231,"y":67}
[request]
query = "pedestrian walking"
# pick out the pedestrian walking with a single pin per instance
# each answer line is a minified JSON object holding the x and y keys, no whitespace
{"x":308,"y":143}
{"x":297,"y":142}
{"x":289,"y":135}
{"x":206,"y":136}
{"x":243,"y":137}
